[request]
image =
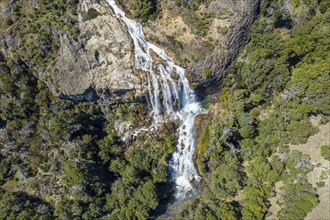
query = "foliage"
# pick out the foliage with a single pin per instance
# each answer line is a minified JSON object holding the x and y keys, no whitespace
{"x":325,"y":152}
{"x":202,"y":148}
{"x":37,"y":29}
{"x":142,"y":169}
{"x":188,"y":10}
{"x":299,"y":199}
{"x":226,"y":180}
{"x":88,"y":162}
{"x":254,"y":203}
{"x":90,"y":14}
{"x":23,"y":206}
{"x":71,"y":155}
{"x":144,"y":9}
{"x":207,"y":72}
{"x":265,"y":103}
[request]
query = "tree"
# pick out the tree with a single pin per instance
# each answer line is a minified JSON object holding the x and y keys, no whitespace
{"x":143,"y":9}
{"x":298,"y":199}
{"x":225,"y":181}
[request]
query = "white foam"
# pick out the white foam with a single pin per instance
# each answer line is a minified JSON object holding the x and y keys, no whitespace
{"x":182,"y":169}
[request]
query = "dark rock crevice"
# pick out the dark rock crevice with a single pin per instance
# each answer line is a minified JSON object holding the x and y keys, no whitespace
{"x":219,"y":60}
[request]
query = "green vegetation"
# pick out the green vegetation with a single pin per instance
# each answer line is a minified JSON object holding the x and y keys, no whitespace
{"x":71,"y":160}
{"x":23,"y":206}
{"x":325,"y":152}
{"x":299,"y":199}
{"x":265,"y":103}
{"x":199,"y":22}
{"x":38,"y":28}
{"x":88,"y":162}
{"x":144,"y":9}
{"x":222,"y":30}
{"x":90,"y":14}
{"x":207,"y":72}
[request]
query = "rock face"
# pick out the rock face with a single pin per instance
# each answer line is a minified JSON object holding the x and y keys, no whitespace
{"x":101,"y":59}
{"x":222,"y":56}
{"x":205,"y":55}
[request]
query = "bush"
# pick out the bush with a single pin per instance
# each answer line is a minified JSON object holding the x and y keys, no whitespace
{"x":8,"y":22}
{"x":325,"y":152}
{"x":143,"y":9}
{"x":298,"y":199}
{"x":324,"y":5}
{"x":91,"y":14}
{"x":207,"y":72}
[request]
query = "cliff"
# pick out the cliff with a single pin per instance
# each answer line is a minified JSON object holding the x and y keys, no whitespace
{"x":97,"y":58}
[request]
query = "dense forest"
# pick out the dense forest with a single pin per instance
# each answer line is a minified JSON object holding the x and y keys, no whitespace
{"x":63,"y":159}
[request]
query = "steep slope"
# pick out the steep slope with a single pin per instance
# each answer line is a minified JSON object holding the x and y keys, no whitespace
{"x":76,"y":109}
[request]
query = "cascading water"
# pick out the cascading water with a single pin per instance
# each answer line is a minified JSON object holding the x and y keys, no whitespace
{"x":178,"y":101}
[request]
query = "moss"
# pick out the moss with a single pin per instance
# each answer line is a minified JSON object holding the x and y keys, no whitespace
{"x":204,"y":141}
{"x":208,"y":44}
{"x":8,"y":22}
{"x":255,"y":112}
{"x":324,"y":120}
{"x":320,"y":184}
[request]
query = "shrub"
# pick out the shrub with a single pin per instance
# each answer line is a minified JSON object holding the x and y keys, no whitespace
{"x":8,"y":22}
{"x":143,"y":9}
{"x":299,"y":199}
{"x":207,"y":72}
{"x":325,"y":152}
{"x":91,"y":14}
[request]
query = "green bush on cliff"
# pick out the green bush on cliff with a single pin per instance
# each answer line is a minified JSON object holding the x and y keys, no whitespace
{"x":144,"y":9}
{"x":325,"y":152}
{"x":18,"y":205}
{"x":90,"y":14}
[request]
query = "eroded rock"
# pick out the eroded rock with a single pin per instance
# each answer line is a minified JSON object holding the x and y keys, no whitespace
{"x":101,"y":59}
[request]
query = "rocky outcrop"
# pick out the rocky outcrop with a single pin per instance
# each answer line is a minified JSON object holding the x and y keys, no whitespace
{"x":101,"y":59}
{"x":222,"y":56}
{"x":225,"y":23}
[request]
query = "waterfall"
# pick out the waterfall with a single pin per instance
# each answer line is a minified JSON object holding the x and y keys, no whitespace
{"x":177,"y":102}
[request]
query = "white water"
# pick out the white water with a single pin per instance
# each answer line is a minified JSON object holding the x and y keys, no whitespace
{"x":170,"y":97}
{"x":84,"y":6}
